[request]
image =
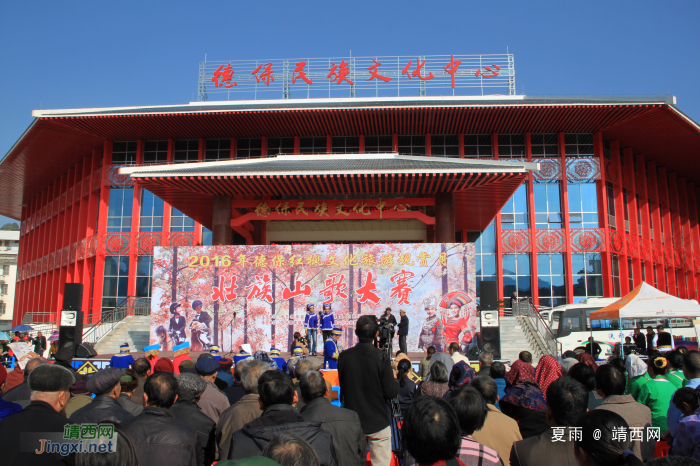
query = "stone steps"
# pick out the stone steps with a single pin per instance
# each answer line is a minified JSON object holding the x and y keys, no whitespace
{"x":134,"y":330}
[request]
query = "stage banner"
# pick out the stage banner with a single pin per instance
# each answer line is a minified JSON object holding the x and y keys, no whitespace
{"x":231,"y":295}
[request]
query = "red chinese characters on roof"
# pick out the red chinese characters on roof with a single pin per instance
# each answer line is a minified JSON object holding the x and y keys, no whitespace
{"x":417,"y":71}
{"x":226,"y":75}
{"x":339,"y":72}
{"x":266,"y":75}
{"x":374,"y":74}
{"x":299,"y":73}
{"x":492,"y":73}
{"x":451,"y":68}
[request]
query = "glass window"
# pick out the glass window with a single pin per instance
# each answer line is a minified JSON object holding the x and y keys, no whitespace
{"x":151,"y":212}
{"x":313,"y":145}
{"x":578,"y":145}
{"x":583,"y":205}
{"x":180,"y":221}
{"x":544,"y":145}
{"x":6,"y":270}
{"x":639,"y":215}
{"x":121,"y":204}
{"x":124,"y":152}
{"x":478,"y":145}
{"x":587,"y":276}
{"x":516,"y":275}
{"x":610,"y":194}
{"x":2,"y":308}
{"x":280,"y":146}
{"x":411,"y":145}
{"x":511,"y":145}
{"x":116,"y":282}
{"x":155,"y":152}
{"x":3,"y":288}
{"x":444,"y":145}
{"x":630,"y":273}
{"x":186,"y":151}
{"x":379,"y":144}
{"x":656,"y":279}
{"x":206,"y":236}
{"x":345,"y":144}
{"x":217,"y":149}
{"x":248,"y":148}
{"x":514,"y":213}
{"x":485,"y":249}
{"x":551,"y":279}
{"x":144,"y":268}
{"x":547,"y":205}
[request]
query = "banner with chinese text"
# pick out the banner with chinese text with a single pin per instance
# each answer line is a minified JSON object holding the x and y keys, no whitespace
{"x":258,"y":294}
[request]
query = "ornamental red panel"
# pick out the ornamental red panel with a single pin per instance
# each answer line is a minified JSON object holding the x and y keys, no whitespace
{"x":550,"y":170}
{"x":62,"y":202}
{"x":668,"y":256}
{"x":91,"y":246}
{"x":97,"y":179}
{"x":181,"y":238}
{"x":677,"y":259}
{"x":86,"y":186}
{"x":147,"y":241}
{"x":69,"y":198}
{"x":658,"y":253}
{"x":645,"y":249}
{"x":114,"y":178}
{"x":78,"y":193}
{"x":515,"y":241}
{"x":632,"y":245}
{"x":45,"y":264}
{"x":688,"y":261}
{"x":81,"y":249}
{"x":73,"y":252}
{"x":627,"y":178}
{"x":550,"y":240}
{"x":43,"y":215}
{"x":56,"y":204}
{"x":52,"y":260}
{"x":611,"y":172}
{"x":116,"y":243}
{"x":696,"y":261}
{"x":617,"y":242}
{"x":65,"y":255}
{"x":583,"y":169}
{"x":584,"y":240}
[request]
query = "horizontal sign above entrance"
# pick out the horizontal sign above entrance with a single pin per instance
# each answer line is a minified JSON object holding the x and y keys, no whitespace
{"x":296,"y":78}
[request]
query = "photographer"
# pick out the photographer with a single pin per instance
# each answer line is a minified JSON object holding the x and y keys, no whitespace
{"x":299,"y":341}
{"x":384,"y":334}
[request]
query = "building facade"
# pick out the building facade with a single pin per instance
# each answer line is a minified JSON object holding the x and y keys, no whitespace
{"x":614,"y":201}
{"x":9,"y":249}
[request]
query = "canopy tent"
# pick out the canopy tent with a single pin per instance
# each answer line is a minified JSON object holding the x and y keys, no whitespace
{"x":647,"y":301}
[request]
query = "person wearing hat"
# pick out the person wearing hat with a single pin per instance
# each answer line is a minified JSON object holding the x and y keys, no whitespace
{"x":214,"y":351}
{"x":213,"y":401}
{"x":79,"y":397}
{"x":330,"y":349}
{"x":124,"y":359}
{"x":64,"y":358}
{"x":104,"y":407}
{"x":275,"y":355}
{"x":164,"y":365}
{"x":21,"y":394}
{"x":7,"y":408}
{"x":177,"y":325}
{"x":297,"y":354}
{"x":129,"y":381}
{"x":328,"y":321}
{"x":311,"y":326}
{"x":241,"y":355}
{"x":190,"y":388}
{"x":431,"y":332}
{"x":50,"y":385}
{"x":224,"y":377}
{"x":200,"y":328}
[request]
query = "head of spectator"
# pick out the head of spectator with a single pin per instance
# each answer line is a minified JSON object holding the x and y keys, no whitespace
{"x":487,"y":387}
{"x":250,"y":374}
{"x":682,"y":349}
{"x":129,"y":381}
{"x":618,"y":363}
{"x":583,"y":374}
{"x":609,"y":381}
{"x":290,"y":450}
{"x":403,"y":369}
{"x":31,"y":365}
{"x":366,"y":329}
{"x":497,"y":370}
{"x":275,"y":388}
{"x":628,"y":340}
{"x":470,"y":407}
{"x":78,"y":388}
{"x":312,"y":386}
{"x":106,"y":382}
{"x":187,"y":366}
{"x":672,"y":461}
{"x":302,"y":367}
{"x":635,"y":366}
{"x":658,"y":365}
{"x":675,"y":359}
{"x":650,"y":331}
{"x":164,"y":365}
{"x":430,"y":351}
{"x":598,"y":446}
{"x":525,"y":356}
{"x":462,"y":374}
{"x":547,"y":371}
{"x":142,"y":368}
{"x":160,"y":390}
{"x":588,"y":360}
{"x":687,"y":400}
{"x":51,"y":384}
{"x":485,"y":360}
{"x":431,"y":431}
{"x":190,"y":387}
{"x":438,"y":373}
{"x":520,"y":372}
{"x":443,"y":358}
{"x":207,"y":367}
{"x":453,"y":348}
{"x":567,"y":400}
{"x":124,"y":453}
{"x":691,"y":365}
{"x":237,"y":369}
{"x":569,"y":354}
{"x":566,"y":365}
{"x":225,"y":365}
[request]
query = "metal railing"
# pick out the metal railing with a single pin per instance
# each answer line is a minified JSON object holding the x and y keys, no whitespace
{"x":130,"y":306}
{"x":524,"y":307}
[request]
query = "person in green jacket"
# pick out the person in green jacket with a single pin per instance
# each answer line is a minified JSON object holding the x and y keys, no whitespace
{"x":657,"y":393}
{"x":675,"y":374}
{"x":637,"y":373}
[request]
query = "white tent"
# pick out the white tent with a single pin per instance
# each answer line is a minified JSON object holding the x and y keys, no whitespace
{"x":645,"y":301}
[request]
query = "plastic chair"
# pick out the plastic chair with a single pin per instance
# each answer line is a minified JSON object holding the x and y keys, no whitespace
{"x":662,"y":448}
{"x":335,"y":396}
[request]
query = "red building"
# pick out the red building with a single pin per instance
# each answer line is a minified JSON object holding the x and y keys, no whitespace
{"x":612,"y":202}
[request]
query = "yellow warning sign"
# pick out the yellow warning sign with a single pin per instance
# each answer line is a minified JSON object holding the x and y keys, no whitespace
{"x":87,"y":368}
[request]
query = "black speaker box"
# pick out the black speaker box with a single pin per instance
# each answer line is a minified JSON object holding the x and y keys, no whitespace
{"x":85,"y":350}
{"x":491,"y":341}
{"x":488,"y":295}
{"x":71,"y":335}
{"x":73,"y":296}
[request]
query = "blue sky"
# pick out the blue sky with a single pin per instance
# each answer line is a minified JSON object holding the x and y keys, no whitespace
{"x":100,"y":54}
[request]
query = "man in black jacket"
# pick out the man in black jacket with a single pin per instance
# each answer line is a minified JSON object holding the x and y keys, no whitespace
{"x":104,"y":407}
{"x":367,"y":384}
{"x":343,"y":424}
{"x":279,"y":416}
{"x":21,"y":394}
{"x":403,"y":331}
{"x":189,"y":388}
{"x":158,"y":437}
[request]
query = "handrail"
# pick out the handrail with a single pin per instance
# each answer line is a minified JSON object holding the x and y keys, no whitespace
{"x":524,"y":307}
{"x":129,"y":306}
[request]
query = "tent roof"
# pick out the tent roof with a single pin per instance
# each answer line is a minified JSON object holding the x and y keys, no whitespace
{"x":647,"y":301}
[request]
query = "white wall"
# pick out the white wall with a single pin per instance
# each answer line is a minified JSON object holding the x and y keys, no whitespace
{"x":9,"y":248}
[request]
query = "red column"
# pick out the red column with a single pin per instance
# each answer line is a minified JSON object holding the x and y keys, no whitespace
{"x":233,"y":149}
{"x":92,"y":202}
{"x":632,"y":209}
{"x":668,"y":233}
{"x":646,"y":218}
{"x":362,"y":143}
{"x":135,"y":217}
{"x":531,"y":220}
{"x":694,"y":232}
{"x":603,"y":214}
{"x":499,"y":249}
{"x":687,"y":243}
{"x":329,"y":144}
{"x":656,"y":221}
{"x":444,"y":218}
{"x":620,"y":217}
{"x":565,"y":212}
{"x":222,"y":233}
{"x":296,"y":144}
{"x":167,"y":208}
{"x":674,"y":208}
{"x":101,"y":229}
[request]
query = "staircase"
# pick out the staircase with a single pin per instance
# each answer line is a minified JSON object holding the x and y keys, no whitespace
{"x":514,"y":339}
{"x":134,"y":330}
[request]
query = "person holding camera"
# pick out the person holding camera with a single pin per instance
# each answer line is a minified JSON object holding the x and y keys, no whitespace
{"x":311,"y":326}
{"x":391,"y":322}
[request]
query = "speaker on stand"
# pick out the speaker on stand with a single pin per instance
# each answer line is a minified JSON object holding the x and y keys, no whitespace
{"x":489,"y":319}
{"x":70,"y":333}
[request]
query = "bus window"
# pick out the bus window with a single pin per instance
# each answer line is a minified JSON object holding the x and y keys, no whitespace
{"x":555,"y":321}
{"x":570,"y":322}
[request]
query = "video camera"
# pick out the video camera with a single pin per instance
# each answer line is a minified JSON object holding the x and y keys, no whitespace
{"x":384,"y":329}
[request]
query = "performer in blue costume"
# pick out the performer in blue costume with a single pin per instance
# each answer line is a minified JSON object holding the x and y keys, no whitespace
{"x":275,"y":355}
{"x":124,"y":359}
{"x":240,"y":356}
{"x":328,"y":321}
{"x":297,"y":354}
{"x":214,"y":351}
{"x":311,"y":326}
{"x":331,"y":350}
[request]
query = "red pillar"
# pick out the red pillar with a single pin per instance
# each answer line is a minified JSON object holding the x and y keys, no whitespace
{"x":687,"y":244}
{"x":567,"y":228}
{"x":444,"y":218}
{"x":632,"y":209}
{"x":135,"y":217}
{"x":222,"y":233}
{"x":645,"y":221}
{"x":606,"y":264}
{"x":92,"y":200}
{"x":694,"y":233}
{"x":498,"y":226}
{"x":674,"y":208}
{"x":101,"y":229}
{"x":531,"y":220}
{"x":668,"y":234}
{"x":620,"y":217}
{"x":656,"y":221}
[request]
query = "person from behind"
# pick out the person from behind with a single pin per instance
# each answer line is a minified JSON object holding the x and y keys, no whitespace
{"x":675,"y":372}
{"x":691,"y":371}
{"x":7,"y":408}
{"x":485,"y":362}
{"x":687,"y":439}
{"x":159,"y":438}
{"x":523,"y":400}
{"x":593,"y":348}
{"x":651,"y":340}
{"x":547,"y":371}
{"x":663,"y":340}
{"x":79,"y":397}
{"x":658,"y":392}
{"x":104,"y":407}
{"x":566,"y":365}
{"x":279,"y":416}
{"x":585,"y":375}
{"x":343,"y":424}
{"x":431,"y":432}
{"x":610,"y":385}
{"x":567,"y":400}
{"x":497,"y":372}
{"x":21,"y":394}
{"x":471,"y":412}
{"x":437,"y":385}
{"x":499,"y":432}
{"x":526,"y":357}
{"x":367,"y":383}
{"x":425,"y":362}
{"x":213,"y":401}
{"x":456,"y":355}
{"x":402,"y":331}
{"x":129,"y":381}
{"x":599,"y":445}
{"x":302,"y":367}
{"x":407,"y":388}
{"x":124,"y":453}
{"x":189,"y":390}
{"x":637,"y":374}
{"x":290,"y":450}
{"x":639,"y":341}
{"x":244,"y":410}
{"x":50,"y":386}
{"x":143,"y":369}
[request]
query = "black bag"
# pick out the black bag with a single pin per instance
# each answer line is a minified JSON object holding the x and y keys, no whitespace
{"x":396,"y":418}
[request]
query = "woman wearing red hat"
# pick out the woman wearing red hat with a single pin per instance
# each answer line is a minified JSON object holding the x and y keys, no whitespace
{"x":455,"y":322}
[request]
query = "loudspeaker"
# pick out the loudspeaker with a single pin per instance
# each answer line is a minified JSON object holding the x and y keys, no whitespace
{"x":491,"y":341}
{"x":85,"y":350}
{"x":73,"y":296}
{"x":488,"y":295}
{"x":70,"y":333}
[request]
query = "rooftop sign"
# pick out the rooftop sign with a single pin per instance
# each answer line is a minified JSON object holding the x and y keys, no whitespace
{"x":428,"y":75}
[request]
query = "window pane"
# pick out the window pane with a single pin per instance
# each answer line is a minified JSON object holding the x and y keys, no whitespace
{"x":524,"y":288}
{"x":111,"y":267}
{"x":489,"y":264}
{"x":110,"y":286}
{"x":577,"y":264}
{"x":558,"y":286}
{"x":543,"y":264}
{"x":523,"y":264}
{"x":544,"y":285}
{"x":579,"y":285}
{"x":553,"y":197}
{"x":589,"y":197}
{"x":509,"y":264}
{"x":595,"y":285}
{"x":574,"y":198}
{"x":540,"y":197}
